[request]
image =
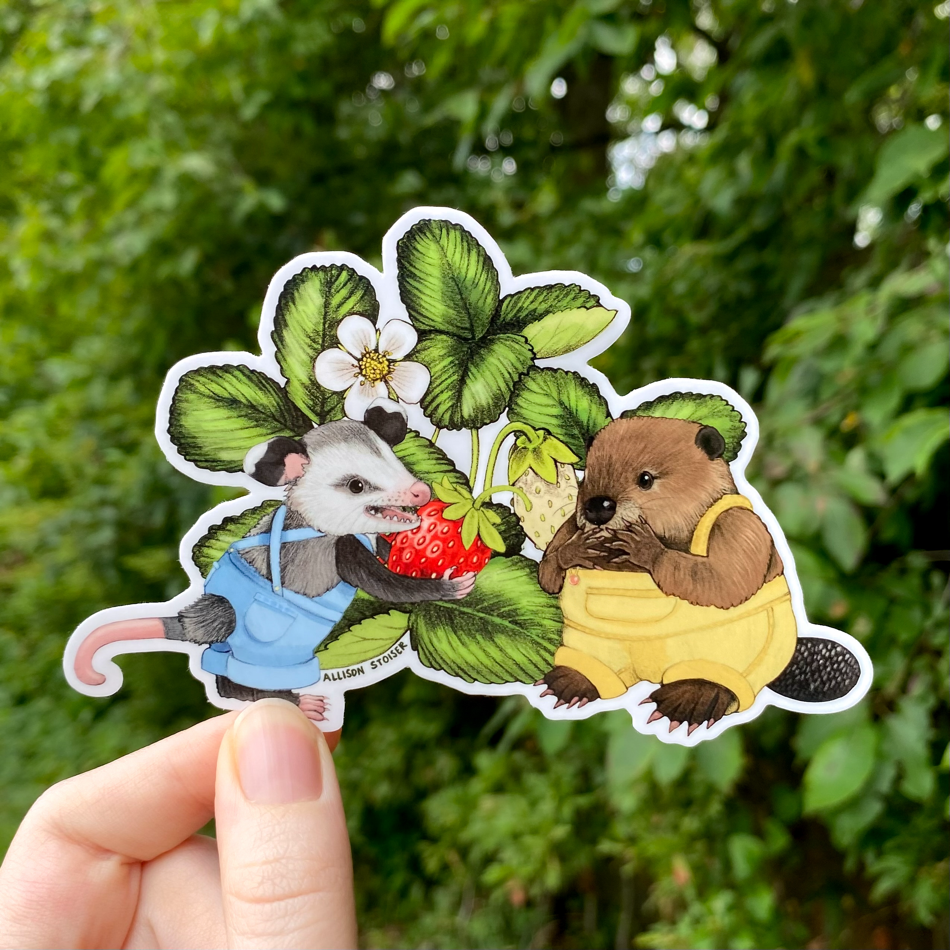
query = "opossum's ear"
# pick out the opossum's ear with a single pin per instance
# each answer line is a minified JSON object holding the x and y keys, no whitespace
{"x":276,"y":462}
{"x":387,"y":419}
{"x":710,"y":440}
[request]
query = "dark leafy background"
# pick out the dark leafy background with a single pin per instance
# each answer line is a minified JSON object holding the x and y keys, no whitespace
{"x":160,"y":162}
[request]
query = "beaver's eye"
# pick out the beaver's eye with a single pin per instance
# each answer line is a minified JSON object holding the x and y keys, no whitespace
{"x":355,"y":486}
{"x":644,"y":481}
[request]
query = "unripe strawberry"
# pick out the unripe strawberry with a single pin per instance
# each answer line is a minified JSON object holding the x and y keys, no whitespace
{"x":540,"y":466}
{"x":553,"y":504}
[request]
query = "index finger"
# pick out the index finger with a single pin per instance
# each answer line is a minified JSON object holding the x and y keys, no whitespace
{"x":71,"y":875}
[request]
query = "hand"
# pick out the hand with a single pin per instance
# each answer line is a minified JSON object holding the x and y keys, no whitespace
{"x":589,"y":550}
{"x":111,"y":859}
{"x":637,"y":545}
{"x":460,"y":586}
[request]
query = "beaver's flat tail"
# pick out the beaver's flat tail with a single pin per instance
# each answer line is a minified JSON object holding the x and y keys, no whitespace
{"x":819,"y":671}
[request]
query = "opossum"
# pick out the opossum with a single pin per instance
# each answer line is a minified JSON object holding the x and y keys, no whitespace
{"x":345,"y":481}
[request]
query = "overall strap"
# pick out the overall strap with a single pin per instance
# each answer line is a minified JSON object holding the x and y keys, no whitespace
{"x":700,"y":543}
{"x":276,"y":530}
{"x":263,"y":539}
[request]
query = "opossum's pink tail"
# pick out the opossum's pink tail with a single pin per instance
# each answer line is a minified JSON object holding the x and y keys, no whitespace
{"x":148,"y":628}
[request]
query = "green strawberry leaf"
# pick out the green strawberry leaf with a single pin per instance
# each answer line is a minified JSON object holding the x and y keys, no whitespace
{"x":704,"y":408}
{"x":489,"y":533}
{"x":470,"y":381}
{"x":219,"y":412}
{"x":220,"y":537}
{"x":533,"y":304}
{"x":509,"y":527}
{"x":363,"y":641}
{"x":505,"y":631}
{"x":309,"y":310}
{"x":446,"y":279}
{"x":362,"y":607}
{"x":470,"y":528}
{"x":555,"y":319}
{"x":563,"y":403}
{"x":564,"y":332}
{"x":429,"y":463}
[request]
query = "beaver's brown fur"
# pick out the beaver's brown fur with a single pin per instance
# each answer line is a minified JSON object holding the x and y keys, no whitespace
{"x":652,"y":529}
{"x":659,"y":477}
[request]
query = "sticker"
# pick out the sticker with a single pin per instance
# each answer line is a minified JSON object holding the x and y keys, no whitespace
{"x":437,"y":479}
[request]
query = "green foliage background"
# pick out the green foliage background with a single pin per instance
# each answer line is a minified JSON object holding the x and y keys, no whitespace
{"x":160,"y":161}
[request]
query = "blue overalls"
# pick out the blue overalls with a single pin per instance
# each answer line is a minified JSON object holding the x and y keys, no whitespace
{"x":277,"y":630}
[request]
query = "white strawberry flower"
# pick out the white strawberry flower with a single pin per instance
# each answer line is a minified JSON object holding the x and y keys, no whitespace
{"x":369,"y":364}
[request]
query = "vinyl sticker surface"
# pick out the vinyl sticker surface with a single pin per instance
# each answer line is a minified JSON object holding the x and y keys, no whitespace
{"x":437,"y":479}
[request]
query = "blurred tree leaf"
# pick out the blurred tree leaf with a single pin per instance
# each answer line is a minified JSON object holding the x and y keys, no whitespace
{"x":909,"y":154}
{"x":839,"y":768}
{"x":910,"y":442}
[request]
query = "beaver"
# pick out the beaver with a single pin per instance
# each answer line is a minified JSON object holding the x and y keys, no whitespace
{"x":699,"y":603}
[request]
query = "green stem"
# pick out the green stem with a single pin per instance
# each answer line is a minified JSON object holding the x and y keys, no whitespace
{"x":435,"y":436}
{"x":474,"y":469}
{"x":496,"y":447}
{"x":488,"y":492}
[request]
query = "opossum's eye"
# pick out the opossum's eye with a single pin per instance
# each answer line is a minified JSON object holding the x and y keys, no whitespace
{"x":645,"y":481}
{"x":355,"y":485}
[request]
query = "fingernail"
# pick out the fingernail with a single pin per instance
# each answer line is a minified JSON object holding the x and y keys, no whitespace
{"x":278,"y":756}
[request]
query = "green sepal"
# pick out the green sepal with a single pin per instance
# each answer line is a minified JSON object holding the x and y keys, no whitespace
{"x":540,"y":456}
{"x":492,"y":516}
{"x":558,"y":451}
{"x":447,"y":492}
{"x":544,"y":465}
{"x":518,"y":463}
{"x":488,"y":533}
{"x":470,"y":528}
{"x":457,"y":510}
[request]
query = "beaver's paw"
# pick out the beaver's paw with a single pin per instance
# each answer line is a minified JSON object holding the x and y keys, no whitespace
{"x":569,"y":686}
{"x":691,"y":701}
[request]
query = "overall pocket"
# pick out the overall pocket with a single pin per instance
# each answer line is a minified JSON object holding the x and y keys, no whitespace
{"x":268,"y":618}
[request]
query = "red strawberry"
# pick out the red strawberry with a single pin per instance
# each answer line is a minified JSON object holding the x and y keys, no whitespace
{"x":455,"y":534}
{"x":435,"y":547}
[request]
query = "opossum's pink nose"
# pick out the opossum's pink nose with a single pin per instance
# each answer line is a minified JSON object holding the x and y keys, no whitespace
{"x":419,"y":492}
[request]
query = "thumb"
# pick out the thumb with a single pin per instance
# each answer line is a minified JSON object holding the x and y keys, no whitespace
{"x":286,"y":871}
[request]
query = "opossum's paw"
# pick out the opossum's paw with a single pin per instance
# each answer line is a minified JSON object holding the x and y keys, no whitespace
{"x":569,"y":687}
{"x":459,"y":586}
{"x":691,"y":701}
{"x":314,"y":707}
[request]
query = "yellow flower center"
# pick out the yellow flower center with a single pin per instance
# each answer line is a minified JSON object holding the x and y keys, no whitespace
{"x":374,"y":367}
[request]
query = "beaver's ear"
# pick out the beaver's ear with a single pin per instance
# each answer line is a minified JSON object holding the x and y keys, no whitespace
{"x":710,"y":440}
{"x":387,"y":419}
{"x":278,"y":461}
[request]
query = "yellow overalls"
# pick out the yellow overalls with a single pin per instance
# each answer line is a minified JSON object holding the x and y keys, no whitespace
{"x":620,"y":629}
